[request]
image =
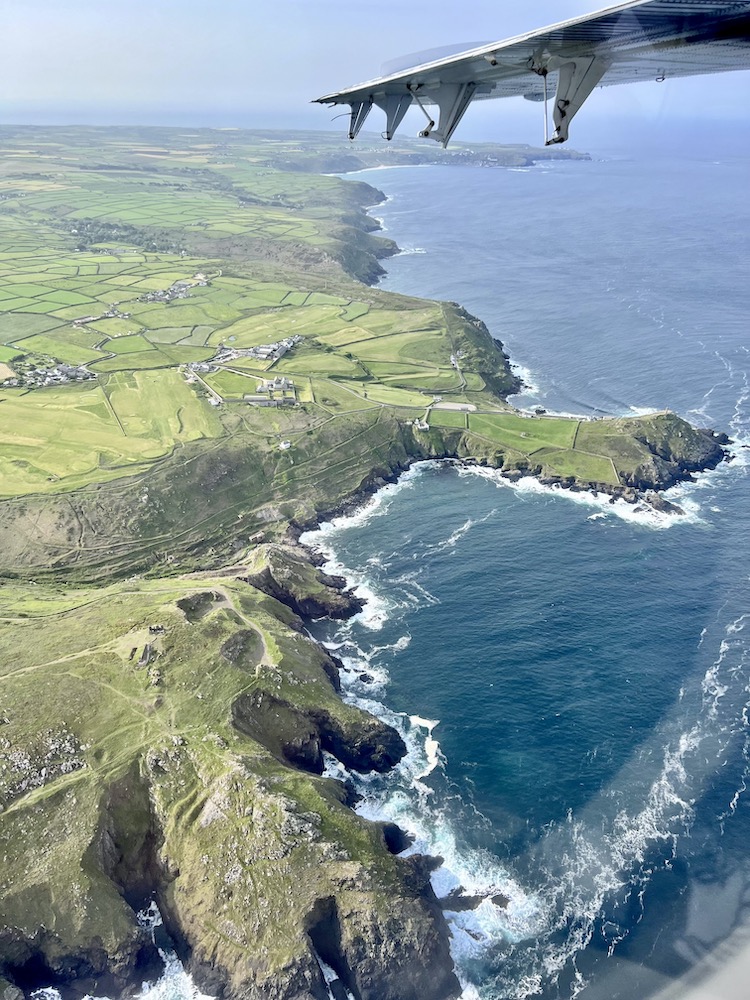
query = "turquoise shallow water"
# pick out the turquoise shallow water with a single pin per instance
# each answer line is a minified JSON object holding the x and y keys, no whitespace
{"x":571,"y":678}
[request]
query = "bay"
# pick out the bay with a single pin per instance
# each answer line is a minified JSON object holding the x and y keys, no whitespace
{"x":571,"y":677}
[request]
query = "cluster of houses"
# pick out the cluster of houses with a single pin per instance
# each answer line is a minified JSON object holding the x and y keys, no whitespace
{"x":59,"y":374}
{"x":272,"y":352}
{"x":179,"y":290}
{"x":263,"y":352}
{"x":267,"y":400}
{"x":280,"y":384}
{"x":112,"y":313}
{"x":273,"y":392}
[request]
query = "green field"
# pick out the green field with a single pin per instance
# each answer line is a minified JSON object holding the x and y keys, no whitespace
{"x":95,"y":236}
{"x":230,"y":384}
{"x":128,"y":345}
{"x":580,"y":465}
{"x":59,"y":348}
{"x":525,"y":434}
{"x":9,"y":353}
{"x":448,"y":418}
{"x":335,"y":398}
{"x":69,"y":436}
{"x":391,"y":396}
{"x":308,"y":361}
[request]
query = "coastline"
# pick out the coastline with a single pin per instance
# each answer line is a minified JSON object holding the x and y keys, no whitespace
{"x":624,"y":500}
{"x":648,"y":507}
{"x":440,"y":446}
{"x":458,"y":896}
{"x":633,"y":494}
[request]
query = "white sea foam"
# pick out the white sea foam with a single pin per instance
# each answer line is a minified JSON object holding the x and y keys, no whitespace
{"x":642,"y":411}
{"x":330,"y":977}
{"x":394,"y":647}
{"x":407,"y":798}
{"x":738,"y":626}
{"x":638,"y":513}
{"x":450,"y":543}
{"x":590,"y":863}
{"x":174,"y":984}
{"x":593,"y":858}
{"x":688,"y":495}
{"x":378,"y":607}
{"x":530,"y":386}
{"x":376,"y":506}
{"x":432,"y":749}
{"x":390,"y":166}
{"x":590,"y":858}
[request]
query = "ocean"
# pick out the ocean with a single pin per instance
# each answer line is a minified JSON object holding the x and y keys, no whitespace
{"x":571,"y":676}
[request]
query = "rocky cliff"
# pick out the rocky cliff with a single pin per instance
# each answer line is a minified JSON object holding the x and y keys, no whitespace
{"x":165,"y":740}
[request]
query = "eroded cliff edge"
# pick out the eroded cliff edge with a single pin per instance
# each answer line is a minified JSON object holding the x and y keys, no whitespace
{"x":165,"y":741}
{"x":165,"y":737}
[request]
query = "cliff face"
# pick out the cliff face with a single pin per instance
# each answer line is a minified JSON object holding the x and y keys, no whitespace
{"x":165,"y":742}
{"x":676,"y":450}
{"x":287,"y":573}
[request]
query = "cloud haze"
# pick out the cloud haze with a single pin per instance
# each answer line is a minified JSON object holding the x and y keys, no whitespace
{"x":234,"y":62}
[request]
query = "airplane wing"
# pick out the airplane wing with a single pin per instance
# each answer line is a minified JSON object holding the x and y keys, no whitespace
{"x":637,"y":40}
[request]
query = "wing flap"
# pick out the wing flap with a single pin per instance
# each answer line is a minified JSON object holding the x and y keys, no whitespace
{"x":636,"y":40}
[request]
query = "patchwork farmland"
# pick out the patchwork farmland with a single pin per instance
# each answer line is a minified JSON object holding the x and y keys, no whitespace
{"x":127,"y":263}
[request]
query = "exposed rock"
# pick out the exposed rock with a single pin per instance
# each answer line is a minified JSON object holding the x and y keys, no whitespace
{"x":285,"y":572}
{"x":197,"y":606}
{"x":361,"y":742}
{"x":676,"y":450}
{"x":662,"y":505}
{"x":459,"y":902}
{"x":44,"y":959}
{"x":8,"y":991}
{"x":244,"y":649}
{"x":396,"y":839}
{"x":176,"y":803}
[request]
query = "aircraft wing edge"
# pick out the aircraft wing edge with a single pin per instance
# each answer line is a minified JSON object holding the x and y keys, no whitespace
{"x":577,"y":55}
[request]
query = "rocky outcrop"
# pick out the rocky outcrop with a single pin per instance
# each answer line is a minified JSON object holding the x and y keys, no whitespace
{"x":369,"y":961}
{"x":299,"y":736}
{"x":205,"y":794}
{"x":48,"y":959}
{"x":8,"y":991}
{"x":676,"y":451}
{"x":287,"y":573}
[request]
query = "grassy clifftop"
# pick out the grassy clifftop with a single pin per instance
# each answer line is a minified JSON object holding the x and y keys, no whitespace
{"x":165,"y":739}
{"x":210,"y":503}
{"x":139,"y":271}
{"x":164,"y":718}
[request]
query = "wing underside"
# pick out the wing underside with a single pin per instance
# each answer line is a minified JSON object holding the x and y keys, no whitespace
{"x":638,"y":40}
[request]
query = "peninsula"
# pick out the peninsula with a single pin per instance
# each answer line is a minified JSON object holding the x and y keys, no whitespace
{"x":195,"y":366}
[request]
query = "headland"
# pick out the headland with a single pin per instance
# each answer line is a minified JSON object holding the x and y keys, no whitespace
{"x":196,"y":366}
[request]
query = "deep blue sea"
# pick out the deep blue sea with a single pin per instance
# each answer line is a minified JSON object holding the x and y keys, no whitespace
{"x":572,"y":677}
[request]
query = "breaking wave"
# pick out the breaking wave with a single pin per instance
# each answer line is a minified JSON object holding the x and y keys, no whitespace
{"x":539,"y":912}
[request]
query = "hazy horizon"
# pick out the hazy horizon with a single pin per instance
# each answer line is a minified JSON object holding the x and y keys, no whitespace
{"x":178,"y":62}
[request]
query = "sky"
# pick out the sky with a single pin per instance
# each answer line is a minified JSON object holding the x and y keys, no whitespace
{"x":259,"y":63}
